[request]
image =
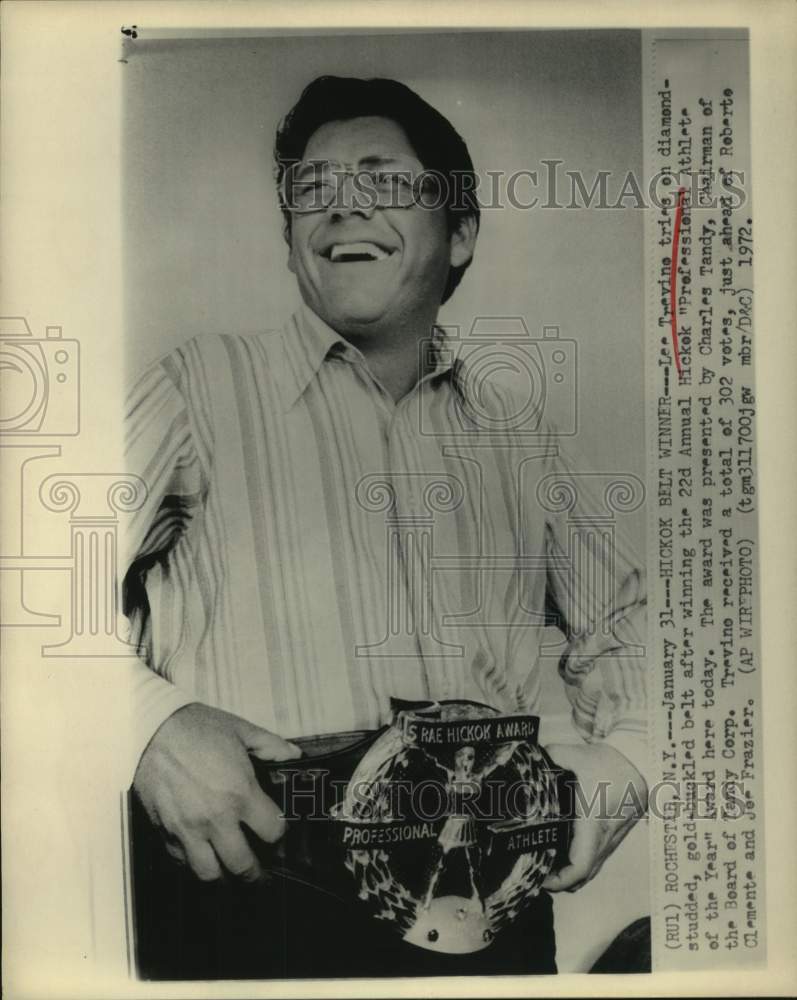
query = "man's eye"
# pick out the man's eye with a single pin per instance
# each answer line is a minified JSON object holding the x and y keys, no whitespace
{"x":390,"y":180}
{"x":308,"y":191}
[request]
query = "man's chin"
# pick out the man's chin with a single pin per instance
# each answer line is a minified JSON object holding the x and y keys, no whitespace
{"x":357,"y":315}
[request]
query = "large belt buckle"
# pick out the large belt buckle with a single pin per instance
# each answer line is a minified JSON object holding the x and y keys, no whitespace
{"x":451,"y":822}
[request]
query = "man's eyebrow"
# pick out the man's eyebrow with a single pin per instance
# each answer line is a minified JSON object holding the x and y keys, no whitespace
{"x":377,"y":160}
{"x":304,"y":167}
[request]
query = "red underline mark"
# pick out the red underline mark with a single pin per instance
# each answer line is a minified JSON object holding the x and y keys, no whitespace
{"x":676,"y":236}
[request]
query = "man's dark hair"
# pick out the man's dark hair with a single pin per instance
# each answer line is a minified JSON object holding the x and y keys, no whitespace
{"x":437,"y":144}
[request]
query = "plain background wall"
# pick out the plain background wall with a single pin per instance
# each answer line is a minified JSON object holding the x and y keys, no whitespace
{"x":203,"y":244}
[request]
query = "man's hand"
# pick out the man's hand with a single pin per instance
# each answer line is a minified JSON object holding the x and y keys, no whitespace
{"x":197,"y":784}
{"x":611,"y":795}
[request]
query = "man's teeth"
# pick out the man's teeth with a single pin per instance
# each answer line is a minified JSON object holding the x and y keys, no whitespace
{"x":357,"y":251}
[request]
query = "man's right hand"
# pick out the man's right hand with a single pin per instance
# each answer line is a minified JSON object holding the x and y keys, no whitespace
{"x":197,"y":784}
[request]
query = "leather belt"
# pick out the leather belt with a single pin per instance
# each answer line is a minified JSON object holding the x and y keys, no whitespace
{"x":311,"y":791}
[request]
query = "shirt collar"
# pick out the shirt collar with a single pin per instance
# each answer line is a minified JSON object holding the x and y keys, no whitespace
{"x":309,"y":341}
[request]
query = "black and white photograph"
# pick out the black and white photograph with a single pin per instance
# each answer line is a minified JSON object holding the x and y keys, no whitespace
{"x":384,"y":512}
{"x":377,"y":510}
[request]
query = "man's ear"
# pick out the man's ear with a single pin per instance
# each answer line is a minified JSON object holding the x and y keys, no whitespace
{"x":463,"y":241}
{"x":286,"y":235}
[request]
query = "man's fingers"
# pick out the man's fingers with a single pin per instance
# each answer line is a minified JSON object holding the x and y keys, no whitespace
{"x":236,"y":855}
{"x":583,"y":857}
{"x":174,"y":850}
{"x":265,"y":745}
{"x":619,"y":831}
{"x":263,"y":817}
{"x":569,"y":877}
{"x":592,"y":845}
{"x":202,"y":860}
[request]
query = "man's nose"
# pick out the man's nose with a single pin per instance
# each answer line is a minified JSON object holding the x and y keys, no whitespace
{"x":353,"y":197}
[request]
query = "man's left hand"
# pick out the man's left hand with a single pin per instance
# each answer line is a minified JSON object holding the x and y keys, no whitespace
{"x":611,"y":795}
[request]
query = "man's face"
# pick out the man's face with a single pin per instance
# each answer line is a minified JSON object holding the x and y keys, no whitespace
{"x":411,"y":247}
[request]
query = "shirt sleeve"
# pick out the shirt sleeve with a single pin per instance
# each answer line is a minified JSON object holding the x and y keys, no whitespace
{"x":595,"y":584}
{"x":160,"y":449}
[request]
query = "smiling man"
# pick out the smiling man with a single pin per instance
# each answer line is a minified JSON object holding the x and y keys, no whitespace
{"x":375,"y":274}
{"x":260,"y":582}
{"x":375,"y":265}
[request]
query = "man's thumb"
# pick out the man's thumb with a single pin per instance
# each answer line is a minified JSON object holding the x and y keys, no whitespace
{"x":266,"y":745}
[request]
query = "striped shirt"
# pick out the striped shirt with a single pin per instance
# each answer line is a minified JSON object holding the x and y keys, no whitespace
{"x":309,"y":548}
